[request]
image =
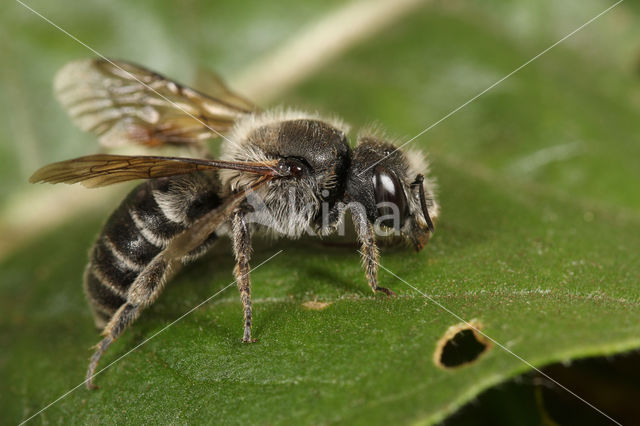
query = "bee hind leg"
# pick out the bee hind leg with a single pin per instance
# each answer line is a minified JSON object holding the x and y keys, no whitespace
{"x":144,"y":290}
{"x":119,"y":322}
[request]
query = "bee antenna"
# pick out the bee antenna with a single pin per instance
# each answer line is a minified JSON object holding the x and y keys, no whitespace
{"x":419,"y":180}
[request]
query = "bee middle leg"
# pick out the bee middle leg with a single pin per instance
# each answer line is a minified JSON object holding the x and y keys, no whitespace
{"x":369,"y":249}
{"x":242,"y":252}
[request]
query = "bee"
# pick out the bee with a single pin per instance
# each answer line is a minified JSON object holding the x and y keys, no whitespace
{"x":282,"y":172}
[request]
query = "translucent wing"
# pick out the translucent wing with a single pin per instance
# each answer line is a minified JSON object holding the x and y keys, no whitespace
{"x":211,"y":83}
{"x":124,"y":103}
{"x":105,"y":169}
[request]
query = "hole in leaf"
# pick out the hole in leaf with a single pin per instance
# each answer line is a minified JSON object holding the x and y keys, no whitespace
{"x":461,"y":345}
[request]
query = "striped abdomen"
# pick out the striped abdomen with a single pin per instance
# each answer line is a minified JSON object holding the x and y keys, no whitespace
{"x":139,"y":229}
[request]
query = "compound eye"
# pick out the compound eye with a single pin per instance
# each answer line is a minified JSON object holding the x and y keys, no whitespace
{"x":292,"y":167}
{"x":388,"y":190}
{"x":296,"y":170}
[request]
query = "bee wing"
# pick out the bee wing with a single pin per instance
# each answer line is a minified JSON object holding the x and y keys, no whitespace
{"x":212,"y":83}
{"x":104,"y":169}
{"x":123,"y":103}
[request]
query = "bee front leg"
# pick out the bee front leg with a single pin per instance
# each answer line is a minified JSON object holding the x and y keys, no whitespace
{"x":369,"y":249}
{"x":242,"y":252}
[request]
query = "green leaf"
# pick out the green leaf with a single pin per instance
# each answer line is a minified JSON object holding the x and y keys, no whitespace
{"x":537,"y":242}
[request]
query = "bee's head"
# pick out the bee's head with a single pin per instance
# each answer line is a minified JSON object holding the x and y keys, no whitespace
{"x":393,"y":187}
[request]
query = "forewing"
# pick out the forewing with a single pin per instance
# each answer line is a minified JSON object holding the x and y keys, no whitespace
{"x":125,"y":103}
{"x":106,"y":169}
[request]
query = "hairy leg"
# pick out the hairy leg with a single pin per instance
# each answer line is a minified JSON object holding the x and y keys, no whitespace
{"x":242,"y":251}
{"x":144,"y":291}
{"x":369,"y":249}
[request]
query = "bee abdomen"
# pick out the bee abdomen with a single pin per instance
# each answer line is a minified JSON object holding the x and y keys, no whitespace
{"x":146,"y":221}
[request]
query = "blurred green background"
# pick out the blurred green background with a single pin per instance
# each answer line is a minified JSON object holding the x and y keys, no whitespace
{"x":538,"y":238}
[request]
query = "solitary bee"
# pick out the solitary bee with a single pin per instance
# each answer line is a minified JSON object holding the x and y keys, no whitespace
{"x":283,"y":172}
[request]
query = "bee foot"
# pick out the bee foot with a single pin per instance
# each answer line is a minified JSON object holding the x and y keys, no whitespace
{"x":91,"y":386}
{"x":385,"y":290}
